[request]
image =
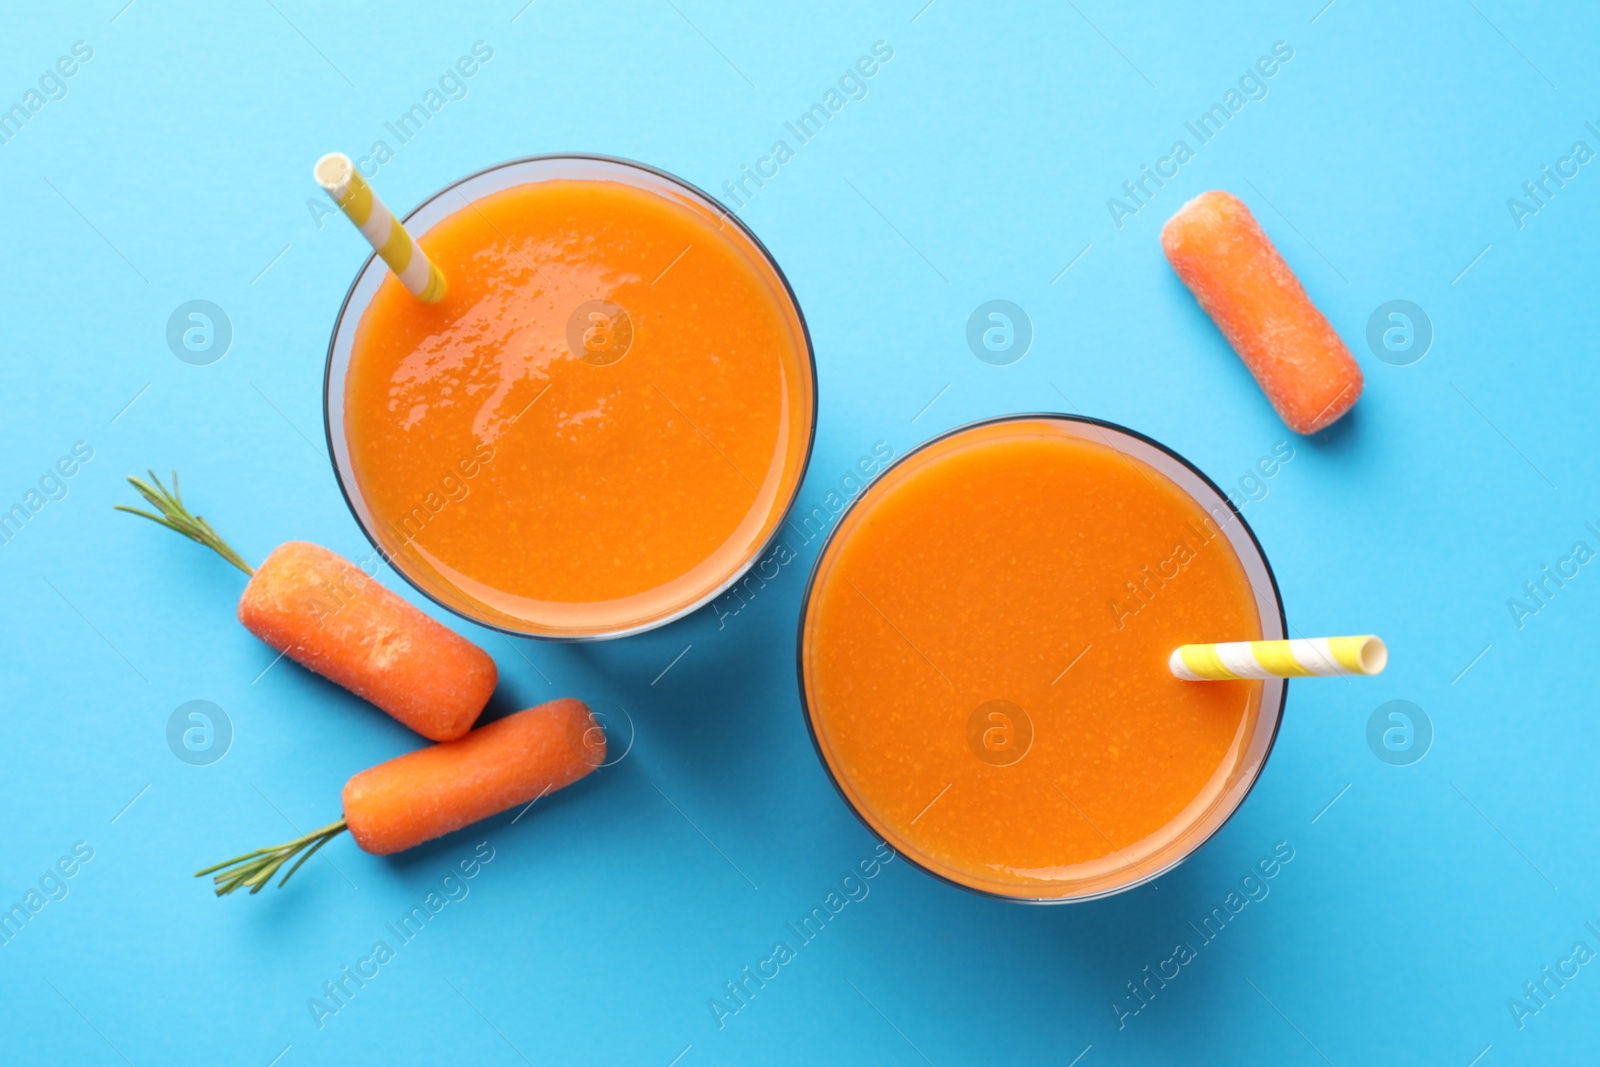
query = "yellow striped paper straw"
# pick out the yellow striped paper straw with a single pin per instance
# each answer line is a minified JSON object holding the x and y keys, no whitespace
{"x":339,"y":177}
{"x":1302,"y":657}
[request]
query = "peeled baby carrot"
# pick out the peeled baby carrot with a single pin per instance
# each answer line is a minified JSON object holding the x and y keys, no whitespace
{"x":323,"y":612}
{"x":1221,"y":253}
{"x":428,"y":793}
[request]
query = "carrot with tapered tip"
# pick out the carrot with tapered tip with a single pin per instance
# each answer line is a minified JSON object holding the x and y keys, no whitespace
{"x":325,"y":613}
{"x":430,"y":792}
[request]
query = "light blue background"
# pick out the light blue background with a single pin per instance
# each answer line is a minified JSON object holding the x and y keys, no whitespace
{"x":178,"y":167}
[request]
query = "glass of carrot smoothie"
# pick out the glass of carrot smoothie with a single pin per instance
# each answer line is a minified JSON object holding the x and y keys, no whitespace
{"x":983,"y":658}
{"x":603,"y":422}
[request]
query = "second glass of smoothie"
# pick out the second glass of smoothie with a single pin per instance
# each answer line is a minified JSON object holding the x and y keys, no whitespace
{"x":983,"y":658}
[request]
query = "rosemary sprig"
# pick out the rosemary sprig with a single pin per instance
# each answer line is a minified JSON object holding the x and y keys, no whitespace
{"x":174,"y":516}
{"x":255,"y":869}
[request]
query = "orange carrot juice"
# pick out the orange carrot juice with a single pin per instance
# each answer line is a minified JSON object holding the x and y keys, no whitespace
{"x":984,"y":658}
{"x":603,"y":421}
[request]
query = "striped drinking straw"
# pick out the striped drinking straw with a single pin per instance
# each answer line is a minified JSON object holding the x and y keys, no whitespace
{"x":336,"y":174}
{"x":1320,"y":656}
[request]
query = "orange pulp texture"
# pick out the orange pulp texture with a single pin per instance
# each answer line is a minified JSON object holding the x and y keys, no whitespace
{"x":566,"y":496}
{"x":995,"y":565}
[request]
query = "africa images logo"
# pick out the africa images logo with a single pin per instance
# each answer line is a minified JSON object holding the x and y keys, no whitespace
{"x":1252,"y":85}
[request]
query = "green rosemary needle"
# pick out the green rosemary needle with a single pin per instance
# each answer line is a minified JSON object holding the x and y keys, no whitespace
{"x":255,"y":869}
{"x":174,"y":516}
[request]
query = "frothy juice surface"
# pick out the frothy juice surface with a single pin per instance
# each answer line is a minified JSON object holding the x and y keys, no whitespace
{"x":984,"y":660}
{"x":599,"y":425}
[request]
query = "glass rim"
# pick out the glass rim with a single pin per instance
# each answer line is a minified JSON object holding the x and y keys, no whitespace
{"x":781,"y":515}
{"x":805,"y":613}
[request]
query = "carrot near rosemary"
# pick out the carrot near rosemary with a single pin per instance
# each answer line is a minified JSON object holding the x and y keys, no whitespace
{"x":430,"y":792}
{"x":328,"y":615}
